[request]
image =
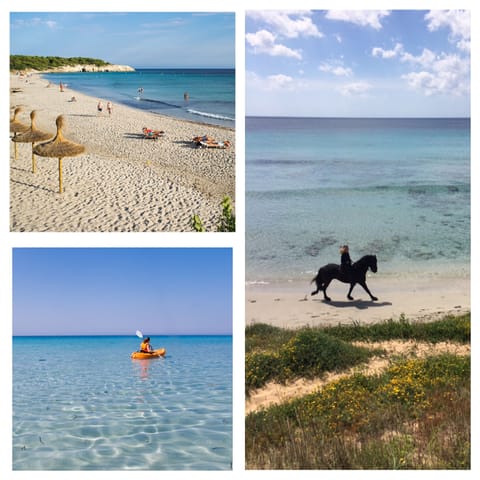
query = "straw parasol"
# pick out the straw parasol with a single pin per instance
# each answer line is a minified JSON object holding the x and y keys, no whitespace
{"x":16,"y":126}
{"x":59,"y":147}
{"x":32,"y":135}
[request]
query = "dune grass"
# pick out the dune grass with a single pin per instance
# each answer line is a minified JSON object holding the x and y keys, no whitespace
{"x":414,"y":415}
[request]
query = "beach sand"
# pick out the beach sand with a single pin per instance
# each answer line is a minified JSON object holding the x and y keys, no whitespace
{"x":418,"y":298}
{"x":122,"y":182}
{"x":422,"y":298}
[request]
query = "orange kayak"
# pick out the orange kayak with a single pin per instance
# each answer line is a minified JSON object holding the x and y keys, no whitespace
{"x":155,"y":354}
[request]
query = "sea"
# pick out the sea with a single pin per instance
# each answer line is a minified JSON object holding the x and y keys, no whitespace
{"x":396,"y":188}
{"x":210,"y":92}
{"x":81,"y":403}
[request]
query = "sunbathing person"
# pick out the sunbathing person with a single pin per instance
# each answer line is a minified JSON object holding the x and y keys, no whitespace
{"x":214,"y":144}
{"x":203,"y":138}
{"x":149,"y":133}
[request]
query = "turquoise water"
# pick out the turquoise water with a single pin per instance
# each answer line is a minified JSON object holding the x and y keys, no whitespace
{"x":211,"y":92}
{"x":76,"y":409}
{"x":397,"y":188}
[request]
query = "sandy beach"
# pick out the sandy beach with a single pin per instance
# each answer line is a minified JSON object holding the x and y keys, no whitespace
{"x":291,"y":305}
{"x":122,"y":182}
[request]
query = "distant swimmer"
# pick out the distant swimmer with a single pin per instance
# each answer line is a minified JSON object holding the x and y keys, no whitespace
{"x":186,"y":96}
{"x":140,"y":91}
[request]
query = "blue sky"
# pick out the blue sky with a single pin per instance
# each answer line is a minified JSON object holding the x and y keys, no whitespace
{"x":78,"y":291}
{"x":367,"y":63}
{"x":137,"y":39}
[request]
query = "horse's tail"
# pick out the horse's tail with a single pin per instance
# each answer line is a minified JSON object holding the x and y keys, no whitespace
{"x":314,"y":279}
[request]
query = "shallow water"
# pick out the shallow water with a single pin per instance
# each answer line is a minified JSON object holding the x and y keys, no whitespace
{"x":397,"y":188}
{"x":211,"y":92}
{"x":74,"y":409}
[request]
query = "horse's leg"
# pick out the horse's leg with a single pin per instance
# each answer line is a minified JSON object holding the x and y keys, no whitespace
{"x":364,"y":285}
{"x":349,"y":294}
{"x":324,"y":288}
{"x":318,"y":283}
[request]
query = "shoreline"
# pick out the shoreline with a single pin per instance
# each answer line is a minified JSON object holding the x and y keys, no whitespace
{"x":123,"y":182}
{"x":290,"y":305}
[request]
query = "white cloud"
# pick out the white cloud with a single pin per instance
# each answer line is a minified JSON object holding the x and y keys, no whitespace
{"x":380,"y":52}
{"x":263,"y":41}
{"x":356,"y":88}
{"x":35,"y":22}
{"x":364,"y":18}
{"x":271,"y":83}
{"x":336,"y":68}
{"x":288,"y":23}
{"x":437,"y":74}
{"x":426,"y":59}
{"x":457,"y":21}
{"x":448,"y":74}
{"x":280,"y":81}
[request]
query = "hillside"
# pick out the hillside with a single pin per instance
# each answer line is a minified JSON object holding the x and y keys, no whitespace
{"x":62,"y":64}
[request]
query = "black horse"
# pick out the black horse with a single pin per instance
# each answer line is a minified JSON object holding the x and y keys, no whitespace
{"x":357,"y":275}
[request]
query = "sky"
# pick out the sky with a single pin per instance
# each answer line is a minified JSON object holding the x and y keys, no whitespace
{"x":115,"y":291}
{"x":358,"y":63}
{"x":141,"y":40}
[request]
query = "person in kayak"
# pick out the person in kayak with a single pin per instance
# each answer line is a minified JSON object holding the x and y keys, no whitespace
{"x":145,"y":346}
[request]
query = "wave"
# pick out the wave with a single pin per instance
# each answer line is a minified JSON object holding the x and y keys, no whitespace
{"x":209,"y":115}
{"x":159,"y":102}
{"x":191,"y":111}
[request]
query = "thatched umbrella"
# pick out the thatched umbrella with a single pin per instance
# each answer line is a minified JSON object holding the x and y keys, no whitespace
{"x":59,"y":147}
{"x":16,"y":126}
{"x":32,"y":135}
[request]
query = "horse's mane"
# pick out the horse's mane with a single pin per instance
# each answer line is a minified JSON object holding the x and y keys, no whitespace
{"x":366,"y":259}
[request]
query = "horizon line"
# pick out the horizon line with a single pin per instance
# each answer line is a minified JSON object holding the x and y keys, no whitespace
{"x":360,"y":117}
{"x":125,"y":335}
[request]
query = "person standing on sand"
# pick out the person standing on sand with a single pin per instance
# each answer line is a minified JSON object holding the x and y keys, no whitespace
{"x":61,"y":87}
{"x":109,"y":108}
{"x":99,"y":107}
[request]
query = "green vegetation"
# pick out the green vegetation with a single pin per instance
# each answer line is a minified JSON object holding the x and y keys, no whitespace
{"x":413,"y":415}
{"x":226,"y":222}
{"x":27,"y":62}
{"x":309,"y":353}
{"x":450,"y":328}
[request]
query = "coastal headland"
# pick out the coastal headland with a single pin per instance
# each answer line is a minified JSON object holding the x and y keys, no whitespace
{"x":87,"y":68}
{"x":124,"y":181}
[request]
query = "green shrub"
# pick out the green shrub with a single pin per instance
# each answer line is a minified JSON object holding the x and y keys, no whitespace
{"x":226,"y":222}
{"x":312,"y":352}
{"x":308,"y":353}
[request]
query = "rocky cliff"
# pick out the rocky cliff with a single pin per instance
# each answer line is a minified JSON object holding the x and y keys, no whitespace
{"x":90,"y":68}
